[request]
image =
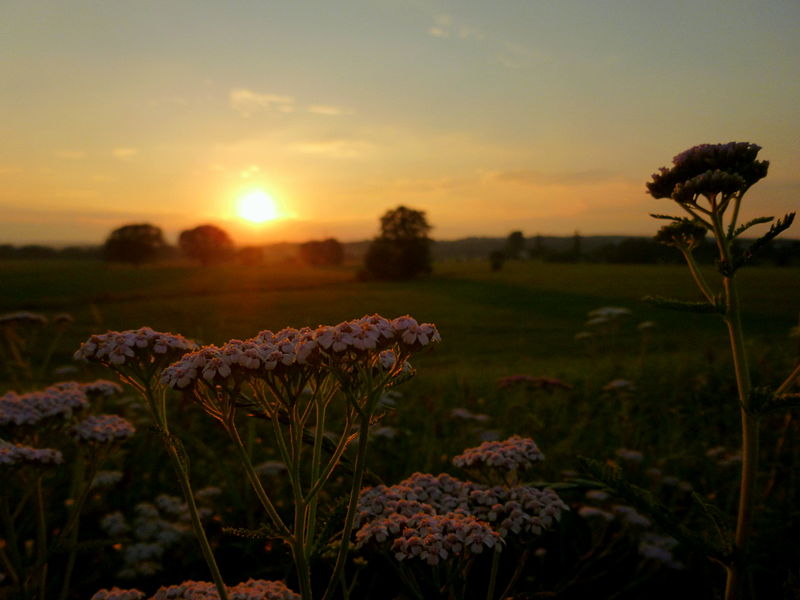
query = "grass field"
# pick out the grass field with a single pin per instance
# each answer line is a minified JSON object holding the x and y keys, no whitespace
{"x":521,"y":320}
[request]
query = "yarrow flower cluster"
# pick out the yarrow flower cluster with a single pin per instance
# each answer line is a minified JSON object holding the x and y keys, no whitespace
{"x":434,"y":538}
{"x":18,"y":454}
{"x":103,"y":429}
{"x":139,"y":346}
{"x":371,"y":338}
{"x":708,"y":170}
{"x":252,"y":589}
{"x":407,"y":514}
{"x":60,"y":400}
{"x":514,"y":454}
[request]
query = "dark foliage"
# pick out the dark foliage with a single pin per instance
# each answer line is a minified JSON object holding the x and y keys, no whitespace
{"x":515,"y":245}
{"x":403,"y":249}
{"x":206,"y":244}
{"x":138,"y":243}
{"x":321,"y":253}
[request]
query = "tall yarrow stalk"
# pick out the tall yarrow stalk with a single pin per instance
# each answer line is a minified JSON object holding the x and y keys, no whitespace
{"x":708,"y":182}
{"x":299,"y":382}
{"x":138,"y":358}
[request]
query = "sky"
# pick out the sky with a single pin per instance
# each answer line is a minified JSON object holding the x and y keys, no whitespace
{"x":546,"y":117}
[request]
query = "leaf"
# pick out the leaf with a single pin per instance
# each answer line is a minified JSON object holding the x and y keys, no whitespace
{"x":645,"y":502}
{"x":684,"y":305}
{"x":742,"y":228}
{"x":775,"y":230}
{"x":265,"y":532}
{"x":667,"y":217}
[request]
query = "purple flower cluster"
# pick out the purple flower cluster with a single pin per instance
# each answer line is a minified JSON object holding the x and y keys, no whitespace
{"x":116,"y":593}
{"x":373,"y":339}
{"x":17,"y":454}
{"x":252,"y":589}
{"x":143,"y":346}
{"x":103,"y":429}
{"x":514,"y":454}
{"x":708,"y":170}
{"x":29,"y":409}
{"x":431,"y":538}
{"x":454,"y":511}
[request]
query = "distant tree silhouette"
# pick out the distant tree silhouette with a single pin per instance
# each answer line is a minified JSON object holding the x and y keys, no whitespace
{"x":136,"y":244}
{"x":402,"y":250}
{"x":515,"y":245}
{"x":206,"y":244}
{"x":321,"y":253}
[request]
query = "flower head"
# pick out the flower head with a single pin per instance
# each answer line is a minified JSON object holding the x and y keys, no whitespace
{"x":18,"y":454}
{"x":684,"y":234}
{"x":58,"y":401}
{"x":708,"y":170}
{"x":515,"y":453}
{"x":103,"y":429}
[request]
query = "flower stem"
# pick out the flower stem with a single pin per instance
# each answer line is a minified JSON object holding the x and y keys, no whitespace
{"x":744,"y":520}
{"x":358,"y":476}
{"x":197,"y":525}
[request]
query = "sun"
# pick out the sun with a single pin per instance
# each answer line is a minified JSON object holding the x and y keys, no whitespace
{"x":257,"y":206}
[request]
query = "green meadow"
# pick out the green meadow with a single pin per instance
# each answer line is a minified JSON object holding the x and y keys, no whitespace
{"x":676,"y":404}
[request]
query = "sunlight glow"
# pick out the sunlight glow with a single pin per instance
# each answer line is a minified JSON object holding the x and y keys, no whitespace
{"x":257,"y":207}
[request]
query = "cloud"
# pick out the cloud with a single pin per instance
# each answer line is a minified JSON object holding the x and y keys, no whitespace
{"x":71,"y":154}
{"x":337,"y":148}
{"x":331,"y":111}
{"x":124,"y":152}
{"x":247,"y":102}
{"x":445,"y":27}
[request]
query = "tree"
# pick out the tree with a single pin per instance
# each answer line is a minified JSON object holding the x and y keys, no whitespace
{"x":136,"y":244}
{"x":515,"y":245}
{"x":321,"y":253}
{"x":206,"y":244}
{"x":402,"y":250}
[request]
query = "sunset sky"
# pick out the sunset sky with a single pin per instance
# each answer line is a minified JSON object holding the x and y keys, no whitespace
{"x":542,"y":116}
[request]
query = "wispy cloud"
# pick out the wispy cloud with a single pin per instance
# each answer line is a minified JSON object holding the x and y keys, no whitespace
{"x":247,"y":102}
{"x":444,"y":26}
{"x":330,"y":111}
{"x":71,"y":154}
{"x":124,"y":152}
{"x":336,"y":148}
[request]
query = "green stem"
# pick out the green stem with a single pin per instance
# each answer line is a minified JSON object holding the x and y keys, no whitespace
{"x":10,"y":536}
{"x":493,"y":576}
{"x":744,"y":520}
{"x":41,"y":539}
{"x":197,"y":525}
{"x":72,"y":528}
{"x":358,"y":476}
{"x":694,"y":269}
{"x":255,"y":482}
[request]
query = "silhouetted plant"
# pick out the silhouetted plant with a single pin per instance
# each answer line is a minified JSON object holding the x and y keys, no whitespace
{"x":206,"y":244}
{"x":402,"y":250}
{"x":136,"y":244}
{"x":708,"y":182}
